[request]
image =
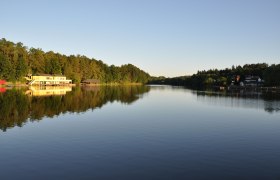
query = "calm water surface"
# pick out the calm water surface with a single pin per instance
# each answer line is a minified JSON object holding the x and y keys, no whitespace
{"x":138,"y":132}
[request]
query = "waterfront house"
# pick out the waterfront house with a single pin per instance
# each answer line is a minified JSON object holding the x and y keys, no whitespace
{"x":48,"y":80}
{"x":253,"y":81}
{"x":235,"y":80}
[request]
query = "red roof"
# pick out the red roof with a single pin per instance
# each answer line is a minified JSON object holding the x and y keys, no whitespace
{"x":2,"y":82}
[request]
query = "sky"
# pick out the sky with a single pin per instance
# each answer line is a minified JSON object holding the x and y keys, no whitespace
{"x":162,"y":37}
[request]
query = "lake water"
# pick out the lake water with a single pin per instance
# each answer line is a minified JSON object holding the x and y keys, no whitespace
{"x":138,"y":132}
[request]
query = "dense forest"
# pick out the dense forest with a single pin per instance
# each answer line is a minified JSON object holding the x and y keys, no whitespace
{"x":270,"y":75}
{"x":16,"y":61}
{"x":17,"y":108}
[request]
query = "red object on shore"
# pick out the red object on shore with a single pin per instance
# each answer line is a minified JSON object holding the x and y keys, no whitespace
{"x":2,"y":90}
{"x":2,"y":82}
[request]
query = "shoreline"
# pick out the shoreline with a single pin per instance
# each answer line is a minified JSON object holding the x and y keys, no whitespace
{"x":273,"y":89}
{"x":10,"y":84}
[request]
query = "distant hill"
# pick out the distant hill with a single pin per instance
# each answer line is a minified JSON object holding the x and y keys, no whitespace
{"x":16,"y":61}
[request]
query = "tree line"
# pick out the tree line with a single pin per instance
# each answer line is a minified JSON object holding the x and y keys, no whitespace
{"x":214,"y":77}
{"x":16,"y":61}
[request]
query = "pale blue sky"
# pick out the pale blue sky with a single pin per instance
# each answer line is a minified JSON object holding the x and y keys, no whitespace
{"x":163,"y":37}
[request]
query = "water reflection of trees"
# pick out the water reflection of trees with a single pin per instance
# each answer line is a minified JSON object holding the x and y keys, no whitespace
{"x":16,"y":108}
{"x":270,"y":102}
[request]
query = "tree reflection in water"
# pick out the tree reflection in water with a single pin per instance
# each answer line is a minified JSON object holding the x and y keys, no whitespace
{"x":268,"y":101}
{"x":19,"y":106}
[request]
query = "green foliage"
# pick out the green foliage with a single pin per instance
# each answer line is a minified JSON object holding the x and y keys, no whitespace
{"x":36,"y":60}
{"x":21,"y":69}
{"x":272,"y":75}
{"x":16,"y":61}
{"x":75,"y":77}
{"x":4,"y":67}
